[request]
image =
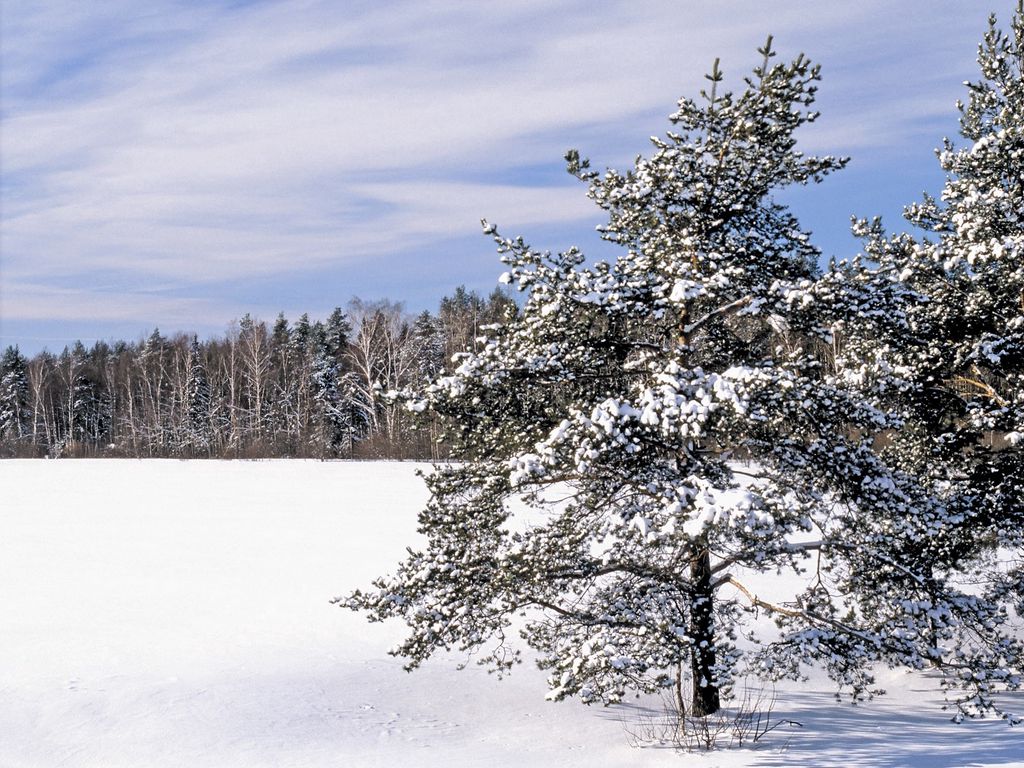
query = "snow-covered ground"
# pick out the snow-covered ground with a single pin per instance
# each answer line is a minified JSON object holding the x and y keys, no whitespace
{"x":165,"y":613}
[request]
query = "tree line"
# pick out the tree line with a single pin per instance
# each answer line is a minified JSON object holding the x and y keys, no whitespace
{"x":303,"y":388}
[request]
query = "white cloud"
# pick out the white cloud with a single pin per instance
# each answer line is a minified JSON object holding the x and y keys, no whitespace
{"x":28,"y":301}
{"x":158,"y":140}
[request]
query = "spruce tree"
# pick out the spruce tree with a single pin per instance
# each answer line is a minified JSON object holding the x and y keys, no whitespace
{"x":197,"y":433}
{"x":337,"y":330}
{"x":284,"y":387}
{"x":429,"y":341}
{"x":332,"y":429}
{"x":14,"y":413}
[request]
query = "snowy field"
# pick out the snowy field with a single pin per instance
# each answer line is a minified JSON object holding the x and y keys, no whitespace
{"x":165,"y":613}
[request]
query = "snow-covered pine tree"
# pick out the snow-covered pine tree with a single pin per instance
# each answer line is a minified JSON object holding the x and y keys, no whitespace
{"x":958,"y":371}
{"x":97,"y":417}
{"x":78,"y":398}
{"x":337,"y":330}
{"x":429,"y":341}
{"x":197,"y":430}
{"x":300,"y":364}
{"x":283,"y":388}
{"x":14,"y":396}
{"x":668,"y":425}
{"x":330,"y":410}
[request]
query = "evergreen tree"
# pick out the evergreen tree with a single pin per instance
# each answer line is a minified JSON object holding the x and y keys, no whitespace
{"x":330,"y":409}
{"x":14,"y":396}
{"x":196,"y":437}
{"x":429,"y":344}
{"x":300,"y":335}
{"x":958,"y":371}
{"x":337,"y":331}
{"x":76,"y":398}
{"x":280,"y":333}
{"x":500,"y":308}
{"x":283,"y":395}
{"x":617,"y":407}
{"x":301,"y":366}
{"x":98,"y":417}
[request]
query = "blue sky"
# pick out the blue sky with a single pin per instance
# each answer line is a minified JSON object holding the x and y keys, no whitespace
{"x":178,"y":164}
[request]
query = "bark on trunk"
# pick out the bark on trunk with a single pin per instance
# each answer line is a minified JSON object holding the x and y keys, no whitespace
{"x":702,"y":631}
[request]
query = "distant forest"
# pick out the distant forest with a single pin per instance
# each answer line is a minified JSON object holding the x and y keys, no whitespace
{"x":301,"y":388}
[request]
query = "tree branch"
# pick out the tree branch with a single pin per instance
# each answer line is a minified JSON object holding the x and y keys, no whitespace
{"x":725,"y":309}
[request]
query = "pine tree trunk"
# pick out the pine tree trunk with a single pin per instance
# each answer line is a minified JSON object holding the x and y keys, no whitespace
{"x":702,"y":631}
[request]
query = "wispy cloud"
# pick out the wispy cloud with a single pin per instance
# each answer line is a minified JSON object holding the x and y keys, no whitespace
{"x":32,"y":301}
{"x":203,"y":144}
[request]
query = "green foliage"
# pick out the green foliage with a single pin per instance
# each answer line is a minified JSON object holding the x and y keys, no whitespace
{"x":601,"y":508}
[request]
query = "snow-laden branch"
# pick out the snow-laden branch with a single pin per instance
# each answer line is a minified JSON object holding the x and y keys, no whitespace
{"x":725,"y":309}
